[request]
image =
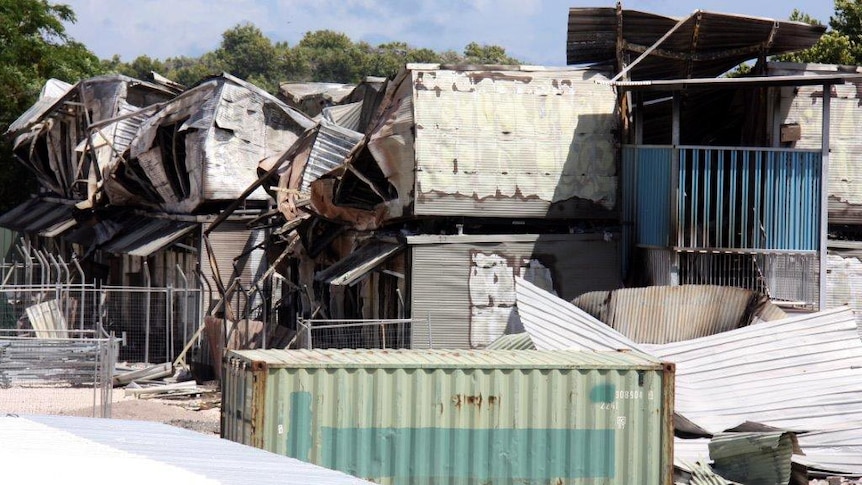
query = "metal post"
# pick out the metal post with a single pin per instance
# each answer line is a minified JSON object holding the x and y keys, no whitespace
{"x":83,"y":287}
{"x":67,"y":288}
{"x":824,"y":193}
{"x":184,"y":309}
{"x":147,"y":297}
{"x":169,"y":324}
{"x":675,"y":190}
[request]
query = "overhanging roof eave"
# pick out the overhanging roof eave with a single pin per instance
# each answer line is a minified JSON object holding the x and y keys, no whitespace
{"x":733,"y":82}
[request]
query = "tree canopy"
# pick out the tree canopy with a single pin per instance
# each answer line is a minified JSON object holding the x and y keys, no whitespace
{"x":322,"y":55}
{"x":34,"y":47}
{"x":841,"y":44}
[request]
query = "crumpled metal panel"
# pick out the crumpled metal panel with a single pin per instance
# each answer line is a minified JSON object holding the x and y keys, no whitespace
{"x":513,"y":143}
{"x":53,"y":90}
{"x":331,"y":146}
{"x":753,"y":458}
{"x":358,"y":263}
{"x":799,"y":373}
{"x":229,"y":126}
{"x":663,"y":314}
{"x":836,"y":451}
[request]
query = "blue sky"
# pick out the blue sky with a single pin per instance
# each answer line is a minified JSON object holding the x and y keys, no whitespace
{"x":531,"y":30}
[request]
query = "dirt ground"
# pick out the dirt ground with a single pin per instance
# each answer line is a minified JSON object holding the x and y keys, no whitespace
{"x":198,"y":413}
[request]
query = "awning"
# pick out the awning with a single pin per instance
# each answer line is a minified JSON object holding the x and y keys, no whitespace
{"x":40,"y":216}
{"x":702,"y":45}
{"x":147,"y":236}
{"x":359,"y":263}
{"x":129,"y":233}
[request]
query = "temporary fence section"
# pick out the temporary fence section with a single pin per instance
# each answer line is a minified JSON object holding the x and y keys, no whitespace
{"x":155,"y":322}
{"x":56,"y":375}
{"x":359,"y":334}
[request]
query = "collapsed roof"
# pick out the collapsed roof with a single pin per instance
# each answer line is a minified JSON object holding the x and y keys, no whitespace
{"x":701,"y":45}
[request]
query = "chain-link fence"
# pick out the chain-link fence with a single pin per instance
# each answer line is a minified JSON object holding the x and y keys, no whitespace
{"x":358,"y":334}
{"x":70,"y":375}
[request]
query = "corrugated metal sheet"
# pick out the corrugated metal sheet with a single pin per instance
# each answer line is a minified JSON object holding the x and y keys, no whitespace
{"x":345,"y":115}
{"x":800,"y":373}
{"x":653,"y":194}
{"x":230,"y":240}
{"x":53,"y":90}
{"x":457,"y":416}
{"x":465,"y":284}
{"x":39,"y":216}
{"x":40,"y":449}
{"x":331,"y":146}
{"x":704,"y":45}
{"x":838,"y":451}
{"x":662,"y":314}
{"x":223,"y":128}
{"x":555,"y":324}
{"x":515,"y":341}
{"x":749,"y":198}
{"x":804,"y":106}
{"x":753,"y":458}
{"x":513,"y":143}
{"x":144,"y":236}
{"x":358,"y":263}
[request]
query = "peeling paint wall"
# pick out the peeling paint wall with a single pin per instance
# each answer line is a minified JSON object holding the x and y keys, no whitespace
{"x":804,"y":105}
{"x":465,"y":284}
{"x":513,"y":143}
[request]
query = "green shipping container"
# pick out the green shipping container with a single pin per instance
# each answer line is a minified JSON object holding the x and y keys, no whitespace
{"x":458,"y":417}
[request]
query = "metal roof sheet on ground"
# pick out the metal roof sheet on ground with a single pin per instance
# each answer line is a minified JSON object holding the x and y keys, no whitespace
{"x":753,"y":458}
{"x":40,"y":216}
{"x":838,"y":450}
{"x":41,"y":449}
{"x":555,"y":324}
{"x":704,"y":44}
{"x":485,"y":359}
{"x":358,"y":263}
{"x":662,"y":314}
{"x":800,"y":373}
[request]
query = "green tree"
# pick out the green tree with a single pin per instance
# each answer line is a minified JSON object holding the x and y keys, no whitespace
{"x":487,"y":54}
{"x":842,"y":44}
{"x":34,"y":47}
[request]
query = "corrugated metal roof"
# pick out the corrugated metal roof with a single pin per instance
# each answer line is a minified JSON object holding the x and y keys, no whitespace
{"x":39,"y":216}
{"x":704,"y":44}
{"x":555,"y":324}
{"x":662,"y":314}
{"x":491,"y":359}
{"x":345,"y":115}
{"x":358,"y":263}
{"x":42,"y":449}
{"x":52,"y":91}
{"x":144,"y":236}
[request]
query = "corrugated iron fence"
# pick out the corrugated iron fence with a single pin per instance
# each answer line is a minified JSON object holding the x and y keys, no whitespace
{"x":359,"y":334}
{"x":747,"y":217}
